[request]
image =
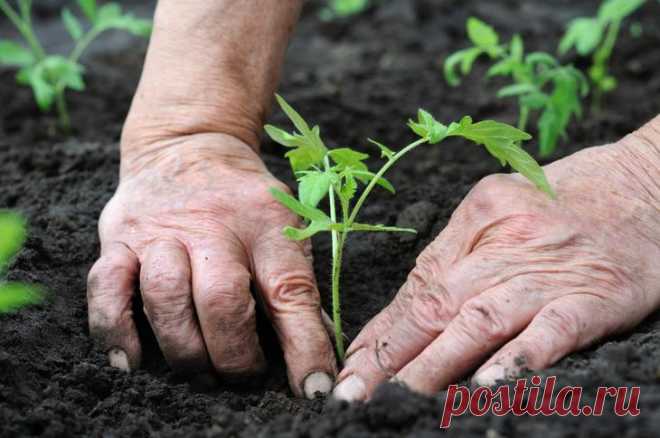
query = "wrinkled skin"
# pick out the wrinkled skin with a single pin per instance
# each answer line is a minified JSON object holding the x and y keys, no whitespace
{"x":517,"y":281}
{"x":192,"y":223}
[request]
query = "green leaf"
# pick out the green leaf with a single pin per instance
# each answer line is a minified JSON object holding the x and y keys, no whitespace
{"x":72,"y":24}
{"x":348,"y":188}
{"x":305,"y":211}
{"x":365,"y":177}
{"x":12,"y":236}
{"x":89,"y":9}
{"x":501,"y":68}
{"x":13,"y":296}
{"x":468,"y":59}
{"x":450,"y":65}
{"x":481,"y":34}
{"x":385,"y":152}
{"x":536,"y":100}
{"x":617,"y":10}
{"x":25,"y":6}
{"x":281,"y":136}
{"x":348,"y":158}
{"x":427,"y":127}
{"x":516,"y":90}
{"x":309,"y":148}
{"x":343,"y":8}
{"x":517,"y":48}
{"x":15,"y":55}
{"x":381,"y":228}
{"x":110,"y":16}
{"x":60,"y":70}
{"x":313,"y":187}
{"x":305,"y":233}
{"x":541,"y":58}
{"x":501,"y":141}
{"x":43,"y":91}
{"x":584,"y":34}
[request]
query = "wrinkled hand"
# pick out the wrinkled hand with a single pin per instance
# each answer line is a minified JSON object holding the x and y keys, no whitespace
{"x":193,"y":223}
{"x":518,"y":280}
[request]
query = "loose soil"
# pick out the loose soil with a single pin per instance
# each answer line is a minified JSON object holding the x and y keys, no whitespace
{"x":358,"y":77}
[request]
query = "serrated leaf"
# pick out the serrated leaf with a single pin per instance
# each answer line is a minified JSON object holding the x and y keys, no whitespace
{"x":481,"y":34}
{"x":346,"y":157}
{"x":313,"y":187}
{"x":89,"y":9}
{"x":12,"y":236}
{"x":15,"y":55}
{"x":72,"y":24}
{"x":365,"y":177}
{"x":348,"y":188}
{"x":563,"y":103}
{"x":616,"y":10}
{"x":534,"y":100}
{"x":385,"y":152}
{"x":13,"y":296}
{"x":427,"y":127}
{"x":516,"y":90}
{"x":302,"y":210}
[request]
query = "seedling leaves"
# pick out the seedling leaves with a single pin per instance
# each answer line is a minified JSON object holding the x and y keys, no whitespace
{"x":481,"y":34}
{"x":14,"y":55}
{"x":313,"y":187}
{"x":427,"y":127}
{"x":13,"y":296}
{"x":72,"y":24}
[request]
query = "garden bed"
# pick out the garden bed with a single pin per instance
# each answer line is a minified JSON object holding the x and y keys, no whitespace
{"x":358,"y":77}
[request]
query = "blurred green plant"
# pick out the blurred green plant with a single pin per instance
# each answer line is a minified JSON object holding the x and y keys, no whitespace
{"x":336,"y":173}
{"x":342,"y":8}
{"x":50,"y":75}
{"x":597,"y":36}
{"x":539,"y":81}
{"x":13,"y":295}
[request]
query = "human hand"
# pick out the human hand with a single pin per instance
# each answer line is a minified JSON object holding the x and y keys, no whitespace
{"x":193,"y":223}
{"x":518,"y":280}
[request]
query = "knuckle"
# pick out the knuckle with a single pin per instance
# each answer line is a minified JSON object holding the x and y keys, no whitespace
{"x":107,"y":271}
{"x":427,"y":272}
{"x":171,"y":283}
{"x":481,"y":320}
{"x":560,"y":322}
{"x":292,"y":287}
{"x":431,"y":310}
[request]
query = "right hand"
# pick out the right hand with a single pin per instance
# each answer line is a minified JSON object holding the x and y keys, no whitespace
{"x":193,"y":223}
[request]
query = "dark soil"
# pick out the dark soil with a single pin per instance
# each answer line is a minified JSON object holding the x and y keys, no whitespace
{"x":357,"y":78}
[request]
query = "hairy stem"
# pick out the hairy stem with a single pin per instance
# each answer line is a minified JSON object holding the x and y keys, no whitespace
{"x":24,"y":28}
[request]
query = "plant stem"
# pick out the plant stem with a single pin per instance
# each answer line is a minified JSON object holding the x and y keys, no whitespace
{"x":523,"y":117}
{"x":336,"y":270}
{"x":62,"y":110}
{"x":600,"y":59}
{"x":24,"y":28}
{"x":83,"y":43}
{"x":374,"y":180}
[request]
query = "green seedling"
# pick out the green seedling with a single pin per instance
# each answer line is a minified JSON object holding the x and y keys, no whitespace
{"x":539,"y":82}
{"x":343,"y":8}
{"x":596,"y":36}
{"x":336,"y":174}
{"x":50,"y":75}
{"x":13,"y":295}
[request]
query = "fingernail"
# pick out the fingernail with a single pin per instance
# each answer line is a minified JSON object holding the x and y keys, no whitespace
{"x":351,"y":389}
{"x":118,"y":359}
{"x":490,"y":375}
{"x":318,"y":382}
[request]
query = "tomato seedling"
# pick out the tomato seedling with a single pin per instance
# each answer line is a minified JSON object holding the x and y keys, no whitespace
{"x":336,"y":173}
{"x":50,"y":75}
{"x":539,"y":81}
{"x":597,"y":36}
{"x":13,"y":295}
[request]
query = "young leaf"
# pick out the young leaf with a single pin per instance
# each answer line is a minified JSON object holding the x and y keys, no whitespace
{"x":516,"y":90}
{"x":305,"y":211}
{"x":449,"y":67}
{"x":313,"y":187}
{"x":60,"y":70}
{"x":517,"y":48}
{"x":469,"y":56}
{"x":349,"y":187}
{"x":305,"y":233}
{"x":281,"y":136}
{"x":365,"y":177}
{"x":12,"y":236}
{"x":13,"y":296}
{"x":15,"y":55}
{"x":89,"y":9}
{"x":616,"y":10}
{"x":501,"y":140}
{"x":584,"y":34}
{"x":72,"y":24}
{"x":427,"y":127}
{"x":481,"y":34}
{"x":385,"y":152}
{"x":501,"y":68}
{"x":381,"y":228}
{"x":300,"y":123}
{"x":43,"y":91}
{"x":345,"y":158}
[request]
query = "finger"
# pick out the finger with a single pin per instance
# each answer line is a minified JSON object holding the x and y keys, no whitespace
{"x":482,"y":325}
{"x":286,"y":281}
{"x":565,"y":325}
{"x":110,"y":286}
{"x":166,"y":293}
{"x":226,"y":309}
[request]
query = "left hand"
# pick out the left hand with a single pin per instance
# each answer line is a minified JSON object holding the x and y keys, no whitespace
{"x":517,"y":281}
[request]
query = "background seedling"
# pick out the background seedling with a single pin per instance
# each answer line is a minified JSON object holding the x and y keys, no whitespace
{"x":539,"y":82}
{"x":342,"y":8}
{"x":597,"y":36}
{"x":50,"y":75}
{"x":336,"y":174}
{"x":13,"y":295}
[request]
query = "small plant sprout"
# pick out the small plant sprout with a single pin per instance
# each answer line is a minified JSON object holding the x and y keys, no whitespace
{"x":342,"y":8}
{"x":50,"y":75}
{"x":336,"y":174}
{"x":13,"y":295}
{"x":597,"y":36}
{"x":539,"y":82}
